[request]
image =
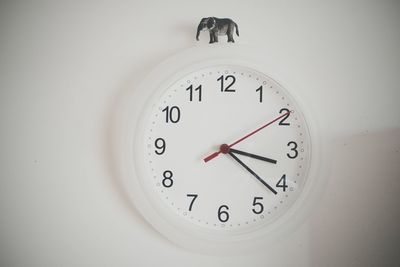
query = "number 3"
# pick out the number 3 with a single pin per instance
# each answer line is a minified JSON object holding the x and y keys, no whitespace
{"x":294,"y":148}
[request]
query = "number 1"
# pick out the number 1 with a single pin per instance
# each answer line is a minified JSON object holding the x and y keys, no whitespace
{"x":260,"y":89}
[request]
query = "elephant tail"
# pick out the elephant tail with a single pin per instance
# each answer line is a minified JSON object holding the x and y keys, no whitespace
{"x":237,"y":29}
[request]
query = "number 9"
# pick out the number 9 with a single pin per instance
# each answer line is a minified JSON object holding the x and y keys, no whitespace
{"x":160,"y":146}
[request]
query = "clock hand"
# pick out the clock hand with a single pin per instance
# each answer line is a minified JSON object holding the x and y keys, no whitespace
{"x":215,"y":154}
{"x":252,"y":172}
{"x":235,"y":151}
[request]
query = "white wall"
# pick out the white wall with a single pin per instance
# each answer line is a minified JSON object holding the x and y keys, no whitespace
{"x":64,"y":65}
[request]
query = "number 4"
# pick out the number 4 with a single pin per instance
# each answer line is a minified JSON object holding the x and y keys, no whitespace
{"x":282,"y":183}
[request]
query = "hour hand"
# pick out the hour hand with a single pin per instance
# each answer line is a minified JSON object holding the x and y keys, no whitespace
{"x":273,"y":161}
{"x":252,"y":172}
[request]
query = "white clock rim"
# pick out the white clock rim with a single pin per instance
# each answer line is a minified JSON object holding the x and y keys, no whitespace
{"x":168,"y":224}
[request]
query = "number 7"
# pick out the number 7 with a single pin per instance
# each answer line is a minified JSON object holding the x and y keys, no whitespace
{"x":191,"y":202}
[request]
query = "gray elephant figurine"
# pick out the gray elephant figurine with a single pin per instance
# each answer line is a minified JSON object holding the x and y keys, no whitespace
{"x":217,"y":27}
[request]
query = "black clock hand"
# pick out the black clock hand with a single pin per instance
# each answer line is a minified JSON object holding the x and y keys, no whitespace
{"x":252,"y":156}
{"x":252,"y":172}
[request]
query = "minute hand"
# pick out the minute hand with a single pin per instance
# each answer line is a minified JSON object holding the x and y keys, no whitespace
{"x":252,"y":172}
{"x":253,"y":156}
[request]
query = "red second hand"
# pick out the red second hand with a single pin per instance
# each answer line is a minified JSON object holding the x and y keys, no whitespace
{"x":215,"y":154}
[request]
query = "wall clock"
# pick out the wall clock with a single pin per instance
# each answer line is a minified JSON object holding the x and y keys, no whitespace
{"x":216,"y":153}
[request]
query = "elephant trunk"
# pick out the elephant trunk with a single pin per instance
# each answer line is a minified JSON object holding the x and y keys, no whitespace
{"x":199,"y":28}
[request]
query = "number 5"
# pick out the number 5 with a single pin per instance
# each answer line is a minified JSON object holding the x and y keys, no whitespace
{"x":259,"y":204}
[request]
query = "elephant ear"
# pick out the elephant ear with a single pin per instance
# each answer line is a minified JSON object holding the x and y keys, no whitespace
{"x":203,"y":23}
{"x":210,"y":23}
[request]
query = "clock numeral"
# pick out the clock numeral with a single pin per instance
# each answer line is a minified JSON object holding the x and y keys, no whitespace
{"x":172,"y":114}
{"x":223,"y":78}
{"x":282,"y":122}
{"x":193,"y":196}
{"x":167,"y":181}
{"x":160,"y":146}
{"x":223,"y":215}
{"x":257,"y":204}
{"x":260,"y":89}
{"x":191,"y":92}
{"x":282,"y":183}
{"x":294,"y":149}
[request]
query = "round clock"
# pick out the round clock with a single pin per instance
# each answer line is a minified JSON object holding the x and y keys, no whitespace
{"x":215,"y":152}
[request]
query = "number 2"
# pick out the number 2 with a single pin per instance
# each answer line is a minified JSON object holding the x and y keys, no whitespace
{"x":282,"y":122}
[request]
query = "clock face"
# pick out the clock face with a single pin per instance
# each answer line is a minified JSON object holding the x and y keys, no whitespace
{"x":224,"y":148}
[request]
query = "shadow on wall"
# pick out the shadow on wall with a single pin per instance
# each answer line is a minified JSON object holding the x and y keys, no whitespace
{"x":136,"y":75}
{"x":357,"y":222}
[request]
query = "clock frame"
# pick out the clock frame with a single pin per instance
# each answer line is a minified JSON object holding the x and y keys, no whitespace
{"x":130,"y":163}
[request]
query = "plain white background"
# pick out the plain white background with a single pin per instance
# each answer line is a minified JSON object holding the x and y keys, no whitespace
{"x":65,"y":65}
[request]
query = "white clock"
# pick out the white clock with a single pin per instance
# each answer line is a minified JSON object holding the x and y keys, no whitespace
{"x":215,"y":153}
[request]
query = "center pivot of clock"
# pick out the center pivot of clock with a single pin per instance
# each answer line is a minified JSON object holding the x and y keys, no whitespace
{"x":224,"y":149}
